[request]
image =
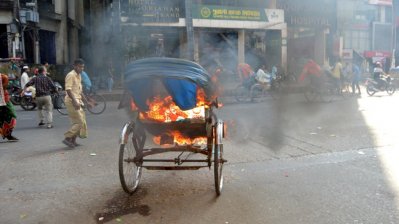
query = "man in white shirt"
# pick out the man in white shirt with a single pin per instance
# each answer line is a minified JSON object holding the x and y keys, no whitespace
{"x":24,"y":76}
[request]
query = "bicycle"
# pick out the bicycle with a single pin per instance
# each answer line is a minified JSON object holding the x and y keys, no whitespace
{"x":326,"y":92}
{"x":257,"y":92}
{"x":94,"y":103}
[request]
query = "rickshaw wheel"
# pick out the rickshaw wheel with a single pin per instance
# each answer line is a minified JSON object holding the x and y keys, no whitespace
{"x":129,"y":170}
{"x":218,"y":157}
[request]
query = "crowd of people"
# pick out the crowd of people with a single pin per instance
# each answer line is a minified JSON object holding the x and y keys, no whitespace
{"x":77,"y":83}
{"x":43,"y":86}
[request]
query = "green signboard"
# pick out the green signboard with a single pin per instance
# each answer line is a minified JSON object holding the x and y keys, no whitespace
{"x":228,"y":13}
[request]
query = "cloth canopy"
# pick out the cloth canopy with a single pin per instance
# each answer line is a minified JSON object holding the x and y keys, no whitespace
{"x":181,"y":78}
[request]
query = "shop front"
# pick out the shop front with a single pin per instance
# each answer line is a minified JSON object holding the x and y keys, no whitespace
{"x":311,"y":26}
{"x":222,"y":35}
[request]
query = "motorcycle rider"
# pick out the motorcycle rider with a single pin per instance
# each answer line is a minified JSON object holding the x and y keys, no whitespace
{"x":24,"y":76}
{"x":378,"y":75}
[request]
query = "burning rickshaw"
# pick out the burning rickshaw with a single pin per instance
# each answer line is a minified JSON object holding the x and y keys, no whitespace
{"x":171,"y":100}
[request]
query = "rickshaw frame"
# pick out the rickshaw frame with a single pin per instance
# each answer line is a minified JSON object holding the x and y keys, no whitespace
{"x":133,"y":150}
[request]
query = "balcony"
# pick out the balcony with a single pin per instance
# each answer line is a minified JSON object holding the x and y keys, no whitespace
{"x":6,"y":4}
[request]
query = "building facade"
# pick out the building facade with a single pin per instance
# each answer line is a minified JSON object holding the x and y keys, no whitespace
{"x":213,"y":33}
{"x":41,"y":30}
{"x":367,"y":28}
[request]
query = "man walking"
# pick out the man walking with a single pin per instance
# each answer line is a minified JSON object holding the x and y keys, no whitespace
{"x":74,"y":104}
{"x":44,"y":87}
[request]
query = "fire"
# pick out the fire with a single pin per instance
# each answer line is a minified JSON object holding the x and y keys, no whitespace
{"x":175,"y":137}
{"x":164,"y":110}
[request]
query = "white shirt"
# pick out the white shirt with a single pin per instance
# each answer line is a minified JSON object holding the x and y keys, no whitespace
{"x":24,"y":79}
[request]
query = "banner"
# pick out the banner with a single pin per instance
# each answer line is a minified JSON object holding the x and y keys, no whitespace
{"x":380,"y":2}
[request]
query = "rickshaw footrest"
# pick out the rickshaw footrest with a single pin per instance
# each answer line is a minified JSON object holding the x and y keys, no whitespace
{"x":173,"y":167}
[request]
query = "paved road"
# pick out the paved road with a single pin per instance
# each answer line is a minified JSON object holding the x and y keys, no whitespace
{"x":289,"y":162}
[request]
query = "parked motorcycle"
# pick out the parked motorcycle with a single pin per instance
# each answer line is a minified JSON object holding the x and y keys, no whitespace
{"x":373,"y":86}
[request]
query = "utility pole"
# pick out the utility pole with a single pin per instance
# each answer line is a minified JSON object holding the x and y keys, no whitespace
{"x":36,"y":55}
{"x":189,"y":30}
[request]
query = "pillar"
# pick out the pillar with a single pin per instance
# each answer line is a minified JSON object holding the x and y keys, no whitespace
{"x":320,"y":47}
{"x":284,"y":60}
{"x":241,"y":46}
{"x":196,"y":46}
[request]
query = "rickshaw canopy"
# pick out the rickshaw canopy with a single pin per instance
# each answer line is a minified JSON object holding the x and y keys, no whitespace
{"x":180,"y":77}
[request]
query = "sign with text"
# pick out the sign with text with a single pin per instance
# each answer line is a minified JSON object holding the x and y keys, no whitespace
{"x":380,"y":2}
{"x":228,"y":13}
{"x":309,"y":13}
{"x":139,"y":11}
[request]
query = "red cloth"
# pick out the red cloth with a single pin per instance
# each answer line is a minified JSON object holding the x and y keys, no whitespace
{"x":4,"y":80}
{"x":310,"y":68}
{"x":245,"y":70}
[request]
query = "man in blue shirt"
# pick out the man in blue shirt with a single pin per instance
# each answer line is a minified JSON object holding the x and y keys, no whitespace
{"x":356,"y":78}
{"x":86,"y":82}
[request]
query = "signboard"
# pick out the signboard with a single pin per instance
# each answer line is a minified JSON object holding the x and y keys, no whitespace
{"x":309,"y":13}
{"x":220,"y":12}
{"x":382,"y":54}
{"x":160,"y":11}
{"x":347,"y":54}
{"x":380,"y":2}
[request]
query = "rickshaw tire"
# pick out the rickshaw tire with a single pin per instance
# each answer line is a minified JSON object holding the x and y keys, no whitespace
{"x":122,"y":176}
{"x":218,"y":157}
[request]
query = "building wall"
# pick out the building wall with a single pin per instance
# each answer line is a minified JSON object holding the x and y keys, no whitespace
{"x":5,"y":17}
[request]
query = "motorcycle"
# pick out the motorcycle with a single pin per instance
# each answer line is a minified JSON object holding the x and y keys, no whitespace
{"x":372,"y":86}
{"x":15,"y":93}
{"x":27,"y":101}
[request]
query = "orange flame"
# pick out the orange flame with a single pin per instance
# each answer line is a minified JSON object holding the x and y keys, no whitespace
{"x":165,"y":110}
{"x":179,"y":139}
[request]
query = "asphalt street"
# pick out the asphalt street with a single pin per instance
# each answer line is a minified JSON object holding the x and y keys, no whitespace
{"x":288,"y":162}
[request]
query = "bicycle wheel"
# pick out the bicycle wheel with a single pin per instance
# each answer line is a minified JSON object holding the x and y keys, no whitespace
{"x":97,"y":103}
{"x":62,"y":108}
{"x":27,"y":103}
{"x":218,"y":157}
{"x":130,"y":168}
{"x":290,"y":79}
{"x":311,"y":94}
{"x":256,"y":92}
{"x":241,"y":93}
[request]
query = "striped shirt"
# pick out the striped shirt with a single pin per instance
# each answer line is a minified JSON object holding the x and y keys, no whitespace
{"x":43,"y":85}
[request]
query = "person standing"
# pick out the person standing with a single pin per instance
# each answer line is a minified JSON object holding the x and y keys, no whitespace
{"x":110,"y":79}
{"x":44,"y":87}
{"x":356,"y":75}
{"x":74,"y":104}
{"x":337,"y":73}
{"x":8,"y":117}
{"x":86,"y":82}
